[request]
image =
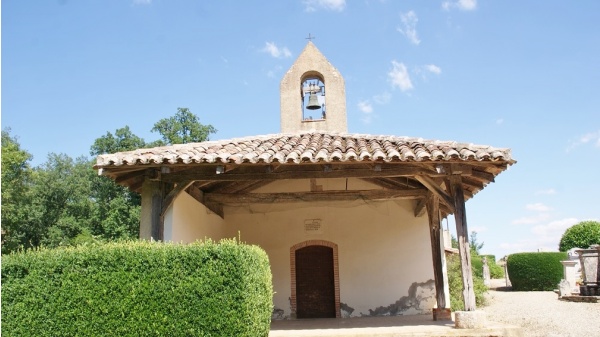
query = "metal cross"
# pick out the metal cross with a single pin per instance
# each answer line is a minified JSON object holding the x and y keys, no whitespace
{"x":310,"y":38}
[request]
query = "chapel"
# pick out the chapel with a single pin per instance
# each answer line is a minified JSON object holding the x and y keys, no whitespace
{"x":351,"y":222}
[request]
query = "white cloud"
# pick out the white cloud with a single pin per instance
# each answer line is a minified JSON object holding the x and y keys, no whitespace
{"x":464,"y":5}
{"x":275,"y":51}
{"x":432,"y":68}
{"x":142,"y":2}
{"x":399,"y":77}
{"x":545,"y":237}
{"x":367,"y":111}
{"x":273,"y":72}
{"x":529,"y":220}
{"x":549,"y":191}
{"x":383,"y":98}
{"x":365,"y":107}
{"x":591,"y":137}
{"x":409,"y":26}
{"x":539,"y":207}
{"x":554,"y":228}
{"x":478,"y":229}
{"x":499,"y":121}
{"x":334,"y":5}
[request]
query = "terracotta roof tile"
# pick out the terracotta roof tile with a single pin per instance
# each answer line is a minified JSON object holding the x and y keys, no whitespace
{"x":308,"y":147}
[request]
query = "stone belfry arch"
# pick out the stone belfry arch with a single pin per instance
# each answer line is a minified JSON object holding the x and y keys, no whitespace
{"x":312,"y":74}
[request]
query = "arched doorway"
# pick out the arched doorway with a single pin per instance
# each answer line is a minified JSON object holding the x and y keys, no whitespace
{"x":315,"y":280}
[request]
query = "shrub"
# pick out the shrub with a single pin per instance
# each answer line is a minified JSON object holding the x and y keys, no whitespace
{"x":495,"y":270}
{"x":581,"y":235}
{"x":456,"y":286}
{"x":138,"y":289}
{"x":535,"y":271}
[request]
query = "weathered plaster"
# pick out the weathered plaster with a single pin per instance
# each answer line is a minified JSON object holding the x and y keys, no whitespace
{"x":346,"y":310}
{"x":420,"y":300}
{"x":278,"y":314}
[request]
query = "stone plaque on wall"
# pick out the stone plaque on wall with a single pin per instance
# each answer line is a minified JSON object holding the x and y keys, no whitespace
{"x":313,"y":226}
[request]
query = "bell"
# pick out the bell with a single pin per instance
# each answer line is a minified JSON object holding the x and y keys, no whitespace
{"x":313,"y":102}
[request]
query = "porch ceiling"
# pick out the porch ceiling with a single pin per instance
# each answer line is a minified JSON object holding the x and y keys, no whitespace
{"x":221,"y":172}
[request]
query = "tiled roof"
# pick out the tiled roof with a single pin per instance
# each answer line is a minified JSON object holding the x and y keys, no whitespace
{"x":309,"y":147}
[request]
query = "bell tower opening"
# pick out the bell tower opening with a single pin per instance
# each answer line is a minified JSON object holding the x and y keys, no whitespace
{"x":313,"y":97}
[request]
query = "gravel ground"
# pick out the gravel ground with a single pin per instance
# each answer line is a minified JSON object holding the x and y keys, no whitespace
{"x":542,"y":314}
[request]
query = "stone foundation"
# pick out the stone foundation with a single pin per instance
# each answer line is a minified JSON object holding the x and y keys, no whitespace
{"x":470,"y":319}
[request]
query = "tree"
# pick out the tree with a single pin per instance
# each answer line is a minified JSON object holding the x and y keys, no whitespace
{"x":65,"y":202}
{"x":581,"y":235}
{"x":118,"y":210}
{"x":61,"y":207}
{"x":475,"y":246}
{"x":123,"y":140}
{"x":183,"y":128}
{"x":16,"y":175}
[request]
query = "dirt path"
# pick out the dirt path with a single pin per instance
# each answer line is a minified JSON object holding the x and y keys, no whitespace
{"x":542,"y":314}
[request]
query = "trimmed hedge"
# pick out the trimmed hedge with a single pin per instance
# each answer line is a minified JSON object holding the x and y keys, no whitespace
{"x":535,"y":271}
{"x":138,"y":289}
{"x":580,"y":235}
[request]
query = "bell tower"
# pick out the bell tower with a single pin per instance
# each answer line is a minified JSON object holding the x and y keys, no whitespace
{"x":313,"y":95}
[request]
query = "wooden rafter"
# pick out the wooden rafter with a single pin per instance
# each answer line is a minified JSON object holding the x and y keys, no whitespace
{"x":232,"y":198}
{"x":437,"y":190}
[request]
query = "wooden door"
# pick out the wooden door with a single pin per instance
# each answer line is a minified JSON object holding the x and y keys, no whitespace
{"x":315,"y":283}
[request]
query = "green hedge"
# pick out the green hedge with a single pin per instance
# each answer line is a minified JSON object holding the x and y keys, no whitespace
{"x":535,"y":271}
{"x":138,"y":289}
{"x":477,"y":263}
{"x":456,"y":285}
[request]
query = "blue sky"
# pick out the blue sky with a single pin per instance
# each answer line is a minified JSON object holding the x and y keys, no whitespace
{"x":517,"y":74}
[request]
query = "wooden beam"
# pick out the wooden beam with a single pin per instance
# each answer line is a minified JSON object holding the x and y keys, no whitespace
{"x":197,"y":194}
{"x":151,"y":224}
{"x":245,"y":186}
{"x":381,"y":183}
{"x":433,"y":214}
{"x":295,"y":174}
{"x":437,"y":190}
{"x":420,"y":207}
{"x":313,"y":196}
{"x":127,"y":176}
{"x":464,"y":250}
{"x":172,"y":195}
{"x":483,"y":176}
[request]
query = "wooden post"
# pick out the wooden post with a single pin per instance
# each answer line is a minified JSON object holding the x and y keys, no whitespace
{"x":460,"y":216}
{"x":433,"y":213}
{"x":151,"y":224}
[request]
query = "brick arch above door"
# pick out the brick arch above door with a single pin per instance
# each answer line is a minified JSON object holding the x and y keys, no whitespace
{"x":336,"y":272}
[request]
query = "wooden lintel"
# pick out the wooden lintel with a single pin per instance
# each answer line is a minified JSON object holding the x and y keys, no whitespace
{"x":437,"y":190}
{"x":313,"y":196}
{"x":130,"y":175}
{"x":296,"y":174}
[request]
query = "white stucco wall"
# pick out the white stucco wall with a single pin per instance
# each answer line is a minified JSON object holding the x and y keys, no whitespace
{"x":382,"y":248}
{"x":188,"y":220}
